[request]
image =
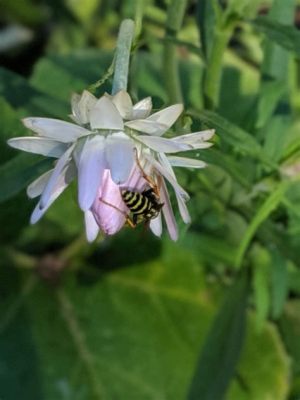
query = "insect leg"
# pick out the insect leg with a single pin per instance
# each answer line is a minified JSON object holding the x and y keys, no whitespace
{"x":128,"y":220}
{"x":145,"y":176}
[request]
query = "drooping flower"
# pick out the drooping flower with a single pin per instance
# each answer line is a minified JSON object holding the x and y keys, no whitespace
{"x":113,"y":144}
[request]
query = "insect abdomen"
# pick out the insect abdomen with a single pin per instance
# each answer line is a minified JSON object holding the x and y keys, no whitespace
{"x":136,"y":202}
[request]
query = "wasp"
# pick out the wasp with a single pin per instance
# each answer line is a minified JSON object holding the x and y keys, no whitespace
{"x":143,"y":206}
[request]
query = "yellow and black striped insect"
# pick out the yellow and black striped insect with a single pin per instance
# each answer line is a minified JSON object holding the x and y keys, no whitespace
{"x":143,"y":206}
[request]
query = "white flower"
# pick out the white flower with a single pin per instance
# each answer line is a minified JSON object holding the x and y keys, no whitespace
{"x":99,"y":149}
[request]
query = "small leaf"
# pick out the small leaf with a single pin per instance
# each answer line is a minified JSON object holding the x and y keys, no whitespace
{"x":221,"y":351}
{"x":286,"y":36}
{"x":263,"y":212}
{"x":261,"y":263}
{"x":234,"y":135}
{"x":279,"y":283}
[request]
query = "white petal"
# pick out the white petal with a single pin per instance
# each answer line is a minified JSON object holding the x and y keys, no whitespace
{"x":104,"y":115}
{"x":168,"y":115}
{"x":56,"y":129}
{"x":82,"y":105}
{"x":142,"y":109}
{"x":180,"y":201}
{"x":90,"y":164}
{"x":156,"y":225}
{"x":186,"y":162}
{"x":54,"y":178}
{"x":163,"y":171}
{"x":119,"y":156}
{"x":91,"y":226}
{"x":184,"y":212}
{"x":146,"y":126}
{"x":123,"y":103}
{"x":62,"y":182}
{"x":162,"y":144}
{"x":38,"y":145}
{"x":36,"y":187}
{"x":168,"y":212}
{"x":197,"y":140}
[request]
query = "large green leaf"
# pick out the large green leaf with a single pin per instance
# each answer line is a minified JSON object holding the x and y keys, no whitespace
{"x":130,"y":333}
{"x":221,"y":350}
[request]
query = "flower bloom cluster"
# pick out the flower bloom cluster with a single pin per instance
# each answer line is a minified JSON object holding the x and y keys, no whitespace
{"x":106,"y":146}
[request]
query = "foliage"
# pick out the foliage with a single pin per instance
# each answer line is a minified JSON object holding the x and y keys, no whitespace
{"x":212,"y":316}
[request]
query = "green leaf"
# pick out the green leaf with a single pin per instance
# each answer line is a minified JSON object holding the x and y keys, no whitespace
{"x":279,"y":283}
{"x":235,"y":136}
{"x":206,"y":20}
{"x":17,"y":173}
{"x":261,"y":266}
{"x":286,"y":36}
{"x":22,"y":96}
{"x":269,"y":205}
{"x":234,"y":169}
{"x":272,"y":379}
{"x":128,"y":325}
{"x":221,"y":350}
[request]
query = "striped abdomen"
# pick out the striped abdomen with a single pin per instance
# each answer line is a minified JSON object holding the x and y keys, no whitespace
{"x":143,"y":206}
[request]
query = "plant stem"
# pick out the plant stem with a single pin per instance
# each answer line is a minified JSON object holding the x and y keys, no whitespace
{"x":124,"y":42}
{"x":213,"y":71}
{"x":175,"y":16}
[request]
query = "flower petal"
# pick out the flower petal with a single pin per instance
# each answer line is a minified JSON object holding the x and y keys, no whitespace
{"x":180,"y":201}
{"x":119,"y":156}
{"x":91,"y":163}
{"x":156,"y":225}
{"x":184,"y":212}
{"x":158,"y":123}
{"x":38,"y":145}
{"x":56,"y":129}
{"x":36,"y":187}
{"x":168,"y":212}
{"x":104,"y":115}
{"x":168,"y":115}
{"x":146,"y":126}
{"x":162,"y":144}
{"x":186,"y":162}
{"x":54,"y":178}
{"x":91,"y":226}
{"x":109,"y":208}
{"x":172,"y":179}
{"x":197,"y":140}
{"x":142,"y":109}
{"x":65,"y":177}
{"x":82,"y":105}
{"x":123,"y":103}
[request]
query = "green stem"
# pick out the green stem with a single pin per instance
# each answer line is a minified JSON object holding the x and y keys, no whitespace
{"x":213,"y":71}
{"x":175,"y":16}
{"x":124,"y":42}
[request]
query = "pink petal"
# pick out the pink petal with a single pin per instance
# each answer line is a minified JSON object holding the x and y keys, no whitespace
{"x":109,"y":219}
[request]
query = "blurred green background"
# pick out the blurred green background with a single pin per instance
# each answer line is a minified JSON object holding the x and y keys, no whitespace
{"x":215,"y":315}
